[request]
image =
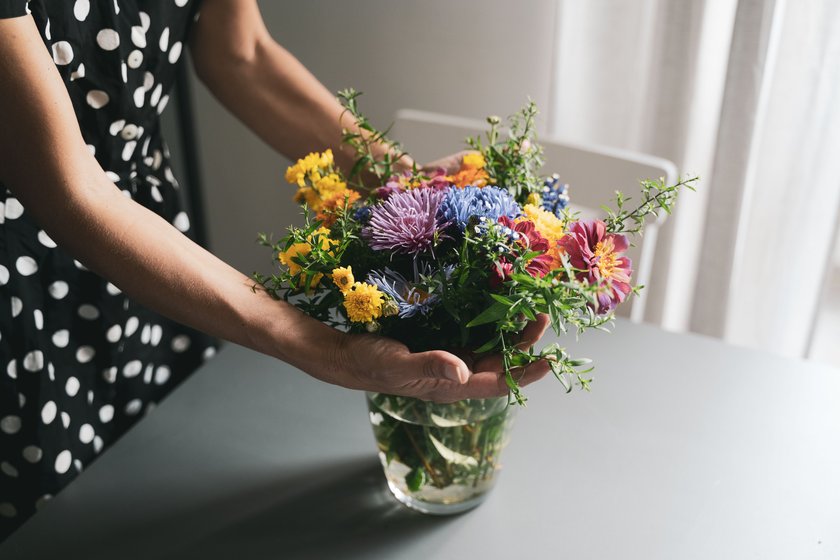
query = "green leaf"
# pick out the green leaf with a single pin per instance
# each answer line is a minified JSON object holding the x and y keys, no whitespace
{"x":489,"y":345}
{"x":415,"y":479}
{"x":492,"y":314}
{"x":502,"y":299}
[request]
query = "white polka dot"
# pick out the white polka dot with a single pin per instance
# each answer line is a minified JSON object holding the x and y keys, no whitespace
{"x":156,"y":194}
{"x":110,"y":374}
{"x":8,"y":469}
{"x":162,"y":375}
{"x":128,"y":150}
{"x":175,"y":53}
{"x":116,"y":127}
{"x":85,"y":354}
{"x":61,"y":338}
{"x":78,"y":73}
{"x":131,"y":326}
{"x":46,"y":240}
{"x":148,"y":373}
{"x":162,"y":105}
{"x":133,"y":407}
{"x":116,"y":6}
{"x":32,"y":453}
{"x":4,"y":275}
{"x":34,"y":361}
{"x":38,"y":317}
{"x":78,"y":465}
{"x":17,"y":306}
{"x":11,"y":369}
{"x":132,"y":368}
{"x":65,"y":420}
{"x":42,"y":501}
{"x":139,"y":96}
{"x":157,"y":334}
{"x":10,"y":424}
{"x":114,"y":333}
{"x":113,"y":290}
{"x":154,"y":98}
{"x":62,"y":462}
{"x":79,"y":265}
{"x":72,"y":386}
{"x":86,"y":433}
{"x":138,"y":37}
{"x":180,"y":343}
{"x":181,"y":3}
{"x":7,"y":510}
{"x":21,"y":400}
{"x":81,"y":9}
{"x":145,"y":21}
{"x":26,"y":266}
{"x":88,"y":311}
{"x":62,"y":53}
{"x":106,"y":413}
{"x":209,"y":353}
{"x":97,"y":98}
{"x":90,"y":397}
{"x":14,"y":209}
{"x":164,"y":39}
{"x":47,"y":31}
{"x":124,"y":72}
{"x":51,"y":371}
{"x":97,"y":444}
{"x":181,"y":222}
{"x":108,"y":39}
{"x":48,"y":412}
{"x":135,"y":58}
{"x":148,"y":81}
{"x":113,"y":177}
{"x":146,"y":333}
{"x":58,"y":289}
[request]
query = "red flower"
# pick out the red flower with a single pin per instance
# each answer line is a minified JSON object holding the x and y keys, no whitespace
{"x":598,"y":257}
{"x":529,"y":239}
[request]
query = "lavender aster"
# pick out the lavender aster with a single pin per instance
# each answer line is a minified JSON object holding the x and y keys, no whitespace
{"x":410,"y":300}
{"x":488,"y":202}
{"x":406,"y":222}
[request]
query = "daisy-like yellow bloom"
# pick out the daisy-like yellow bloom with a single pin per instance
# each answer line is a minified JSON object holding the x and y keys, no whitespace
{"x":343,"y":278}
{"x":363,"y":303}
{"x":309,"y":167}
{"x":321,"y":236}
{"x":472,"y":171}
{"x":473,"y":160}
{"x":296,"y":250}
{"x":549,"y":226}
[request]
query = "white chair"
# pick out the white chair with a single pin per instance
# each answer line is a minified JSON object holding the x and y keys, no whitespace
{"x":593,"y":173}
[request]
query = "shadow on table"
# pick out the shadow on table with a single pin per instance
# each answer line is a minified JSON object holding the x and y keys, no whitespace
{"x":343,"y":510}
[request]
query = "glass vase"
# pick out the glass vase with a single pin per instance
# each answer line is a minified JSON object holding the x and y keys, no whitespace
{"x":440,"y":459}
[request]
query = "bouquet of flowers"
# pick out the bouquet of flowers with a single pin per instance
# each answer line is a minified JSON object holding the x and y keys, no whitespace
{"x":454,"y":261}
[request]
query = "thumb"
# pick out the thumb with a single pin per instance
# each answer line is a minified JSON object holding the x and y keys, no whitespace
{"x":437,"y":364}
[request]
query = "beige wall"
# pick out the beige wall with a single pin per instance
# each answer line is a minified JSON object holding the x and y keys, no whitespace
{"x":466,"y":57}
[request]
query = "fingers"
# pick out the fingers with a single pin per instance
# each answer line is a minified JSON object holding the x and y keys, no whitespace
{"x":437,"y":364}
{"x":533,"y":332}
{"x":489,"y":384}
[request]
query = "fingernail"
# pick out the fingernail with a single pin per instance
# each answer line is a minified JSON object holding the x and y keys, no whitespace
{"x":451,"y":372}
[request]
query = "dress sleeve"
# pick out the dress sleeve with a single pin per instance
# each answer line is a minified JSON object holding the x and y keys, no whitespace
{"x":13,"y":8}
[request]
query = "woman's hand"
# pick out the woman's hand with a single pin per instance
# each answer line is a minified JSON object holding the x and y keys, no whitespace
{"x":379,"y":364}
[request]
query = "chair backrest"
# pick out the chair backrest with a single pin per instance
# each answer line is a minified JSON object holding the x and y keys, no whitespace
{"x":593,"y":173}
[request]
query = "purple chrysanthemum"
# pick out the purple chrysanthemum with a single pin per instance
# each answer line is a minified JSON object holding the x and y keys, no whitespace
{"x":406,"y":222}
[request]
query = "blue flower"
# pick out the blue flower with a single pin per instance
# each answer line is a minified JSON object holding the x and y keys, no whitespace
{"x":492,"y":203}
{"x":410,"y":300}
{"x":555,"y":195}
{"x":362,"y":214}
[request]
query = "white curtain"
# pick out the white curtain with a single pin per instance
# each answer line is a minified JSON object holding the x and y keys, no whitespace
{"x":746,"y":94}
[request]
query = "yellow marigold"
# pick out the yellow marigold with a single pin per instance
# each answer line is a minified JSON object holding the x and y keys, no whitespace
{"x":296,"y":250}
{"x":343,"y":278}
{"x":549,"y":226}
{"x":477,"y":177}
{"x":363,"y":303}
{"x":339,"y":201}
{"x":473,"y":160}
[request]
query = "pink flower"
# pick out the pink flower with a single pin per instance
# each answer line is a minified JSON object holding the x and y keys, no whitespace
{"x":598,"y":257}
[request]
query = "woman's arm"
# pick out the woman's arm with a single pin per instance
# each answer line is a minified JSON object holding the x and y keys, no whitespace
{"x":266,"y":87}
{"x":44,"y":161}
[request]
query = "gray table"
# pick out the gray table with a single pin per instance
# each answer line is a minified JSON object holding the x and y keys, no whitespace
{"x":685,"y":448}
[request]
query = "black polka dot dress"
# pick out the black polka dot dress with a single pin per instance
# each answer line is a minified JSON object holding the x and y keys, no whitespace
{"x":79,"y":361}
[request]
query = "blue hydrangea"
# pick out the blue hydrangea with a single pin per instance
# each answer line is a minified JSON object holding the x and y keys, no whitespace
{"x":555,"y":195}
{"x":491,"y":203}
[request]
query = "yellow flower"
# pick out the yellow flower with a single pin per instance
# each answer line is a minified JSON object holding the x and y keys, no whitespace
{"x":473,"y":160}
{"x":296,"y":250}
{"x":321,"y":236}
{"x":343,"y":278}
{"x":363,"y":303}
{"x":549,"y":226}
{"x":534,"y":198}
